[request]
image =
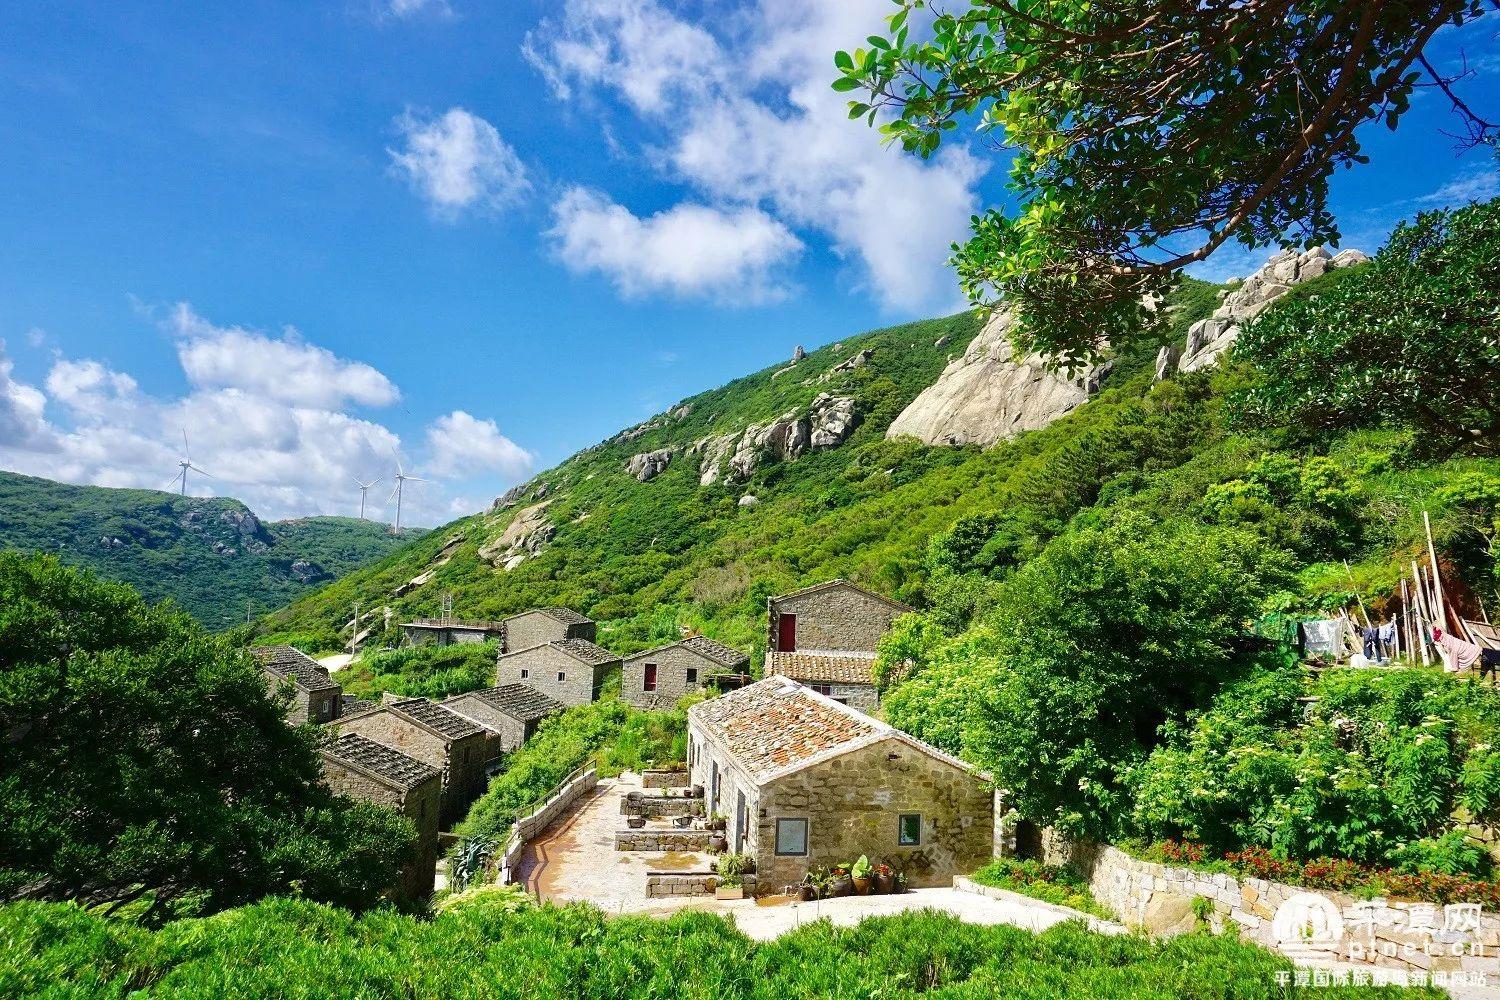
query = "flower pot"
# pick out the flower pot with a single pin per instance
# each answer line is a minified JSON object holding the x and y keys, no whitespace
{"x":841,"y":886}
{"x":697,"y":791}
{"x":862,"y":886}
{"x":729,"y":892}
{"x":682,"y":822}
{"x":636,"y":822}
{"x":899,"y":885}
{"x":718,"y":843}
{"x":884,"y":883}
{"x":808,"y":893}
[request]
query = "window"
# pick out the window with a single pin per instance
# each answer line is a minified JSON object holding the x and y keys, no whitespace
{"x":909,"y":830}
{"x":692,"y":675}
{"x":823,"y":689}
{"x":650,"y":677}
{"x":562,"y":675}
{"x":325,"y":710}
{"x":791,"y":837}
{"x":525,"y":673}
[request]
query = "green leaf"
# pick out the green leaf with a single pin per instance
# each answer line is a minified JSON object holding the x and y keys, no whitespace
{"x":844,"y":84}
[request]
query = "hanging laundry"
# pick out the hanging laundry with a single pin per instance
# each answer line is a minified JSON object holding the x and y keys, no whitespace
{"x":1489,"y":663}
{"x":1461,"y":654}
{"x":1371,"y":637}
{"x":1322,"y":637}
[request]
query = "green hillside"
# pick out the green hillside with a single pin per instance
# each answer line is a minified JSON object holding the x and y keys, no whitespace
{"x":211,"y":556}
{"x":645,"y":557}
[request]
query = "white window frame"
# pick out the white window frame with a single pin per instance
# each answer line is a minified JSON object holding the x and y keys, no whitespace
{"x":806,"y":836}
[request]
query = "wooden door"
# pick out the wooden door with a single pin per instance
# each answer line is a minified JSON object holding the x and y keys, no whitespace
{"x":786,"y":633}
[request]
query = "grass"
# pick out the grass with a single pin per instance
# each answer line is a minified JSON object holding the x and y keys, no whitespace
{"x":490,"y":948}
{"x":1054,"y":884}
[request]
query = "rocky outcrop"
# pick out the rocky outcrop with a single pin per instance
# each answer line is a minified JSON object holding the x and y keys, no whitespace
{"x":525,"y":537}
{"x":856,"y":360}
{"x":714,"y":450}
{"x":989,"y":395}
{"x":649,"y":464}
{"x":831,"y":419}
{"x":785,"y":438}
{"x":1209,"y":338}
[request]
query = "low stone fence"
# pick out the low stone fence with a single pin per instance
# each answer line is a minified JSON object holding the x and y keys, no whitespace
{"x":660,"y":806}
{"x":577,"y":785}
{"x":661,"y":884}
{"x":662,"y":840}
{"x":963,"y":884}
{"x":664,"y":779}
{"x":1415,"y":939}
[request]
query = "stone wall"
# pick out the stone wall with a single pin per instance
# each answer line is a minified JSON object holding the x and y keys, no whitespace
{"x":673,"y":664}
{"x":1410,"y":937}
{"x":665,"y":779}
{"x":838,"y":618}
{"x":660,"y":806}
{"x":421,"y":804}
{"x":513,"y":732}
{"x":541,"y":667}
{"x":661,"y":884}
{"x":530,"y":629}
{"x":865,"y":697}
{"x":853,"y":803}
{"x":462,"y":761}
{"x":525,"y":830}
{"x":661,"y":840}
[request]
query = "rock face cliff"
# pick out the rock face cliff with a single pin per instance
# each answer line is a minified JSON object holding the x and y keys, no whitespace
{"x":1209,"y":338}
{"x":988,"y":395}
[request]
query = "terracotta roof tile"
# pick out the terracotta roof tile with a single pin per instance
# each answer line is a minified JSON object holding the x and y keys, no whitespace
{"x":823,"y":668}
{"x":777,"y":723}
{"x":393,"y":765}
{"x":301,"y":669}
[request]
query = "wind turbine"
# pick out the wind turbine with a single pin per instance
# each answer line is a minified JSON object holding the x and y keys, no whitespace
{"x":401,"y":480}
{"x":186,"y":465}
{"x":363,"y":489}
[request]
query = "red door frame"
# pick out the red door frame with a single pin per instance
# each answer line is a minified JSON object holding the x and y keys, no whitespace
{"x":786,"y":632}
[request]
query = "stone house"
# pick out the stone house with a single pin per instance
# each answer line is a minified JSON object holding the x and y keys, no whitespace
{"x":510,"y":712}
{"x":316,"y":697}
{"x":657,"y":677}
{"x":358,"y":768}
{"x":436,"y":736}
{"x":540,"y":626}
{"x":805,"y":781}
{"x":569,"y":670}
{"x":825,"y":636}
{"x":447,"y":632}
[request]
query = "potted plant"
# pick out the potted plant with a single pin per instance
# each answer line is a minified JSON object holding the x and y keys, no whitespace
{"x":899,"y":885}
{"x":885,"y":878}
{"x":682,"y":822}
{"x":717,"y":842}
{"x":731,"y":869}
{"x":860,"y":873}
{"x":697,"y":791}
{"x":839,"y":882}
{"x":635,"y":822}
{"x":718,"y":822}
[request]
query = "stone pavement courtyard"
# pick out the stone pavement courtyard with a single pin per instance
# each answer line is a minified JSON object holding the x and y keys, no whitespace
{"x":575,"y":860}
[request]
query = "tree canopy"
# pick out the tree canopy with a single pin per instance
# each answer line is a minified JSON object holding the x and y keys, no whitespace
{"x":1412,"y":338}
{"x":145,"y":759}
{"x":1145,"y":135}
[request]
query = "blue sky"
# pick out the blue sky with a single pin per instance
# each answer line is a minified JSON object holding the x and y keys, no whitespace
{"x":484,"y":235}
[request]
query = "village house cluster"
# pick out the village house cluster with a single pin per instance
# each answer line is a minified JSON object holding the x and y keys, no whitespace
{"x":804,"y":775}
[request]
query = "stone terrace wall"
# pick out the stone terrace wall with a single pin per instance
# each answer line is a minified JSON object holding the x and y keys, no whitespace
{"x":660,"y":841}
{"x":660,"y":806}
{"x":527,"y":827}
{"x":1412,"y":937}
{"x":659,"y":884}
{"x":664,"y":779}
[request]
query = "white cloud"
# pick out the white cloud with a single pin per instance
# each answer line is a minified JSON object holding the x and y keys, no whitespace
{"x":286,"y":368}
{"x":1476,"y":184}
{"x":23,"y":426}
{"x":748,"y":117}
{"x":731,"y":256}
{"x":412,"y":8}
{"x":458,"y":162}
{"x":285,"y":451}
{"x":463,"y":445}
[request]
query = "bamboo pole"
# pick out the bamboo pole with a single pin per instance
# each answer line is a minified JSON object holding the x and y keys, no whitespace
{"x":1420,"y":620}
{"x":1437,"y":580}
{"x":1354,"y":587}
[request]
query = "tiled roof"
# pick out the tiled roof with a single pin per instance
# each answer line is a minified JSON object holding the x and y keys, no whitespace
{"x":776,"y":726}
{"x":438,"y":718}
{"x":718,"y":652}
{"x":831,"y":584}
{"x":519,"y":701}
{"x":777,"y":723}
{"x":823,"y":668}
{"x":303,"y":670}
{"x":353,"y":706}
{"x":393,"y":765}
{"x":565,"y":615}
{"x":474,"y":626}
{"x":588,"y":652}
